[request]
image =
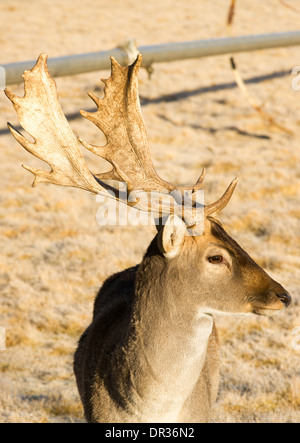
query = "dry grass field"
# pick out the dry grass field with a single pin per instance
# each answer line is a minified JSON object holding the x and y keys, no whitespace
{"x":54,"y":255}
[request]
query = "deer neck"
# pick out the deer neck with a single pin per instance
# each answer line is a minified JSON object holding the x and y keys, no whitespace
{"x":168,"y":341}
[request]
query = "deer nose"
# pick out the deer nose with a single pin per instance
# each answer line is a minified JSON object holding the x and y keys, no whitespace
{"x":285,"y":298}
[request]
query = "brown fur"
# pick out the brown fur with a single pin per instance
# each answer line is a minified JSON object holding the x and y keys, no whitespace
{"x":151,"y":353}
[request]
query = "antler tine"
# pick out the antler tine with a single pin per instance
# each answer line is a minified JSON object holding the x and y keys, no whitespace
{"x":198,"y":185}
{"x":223,"y":201}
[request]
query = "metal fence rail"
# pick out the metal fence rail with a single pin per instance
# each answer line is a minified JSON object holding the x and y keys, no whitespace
{"x":96,"y":61}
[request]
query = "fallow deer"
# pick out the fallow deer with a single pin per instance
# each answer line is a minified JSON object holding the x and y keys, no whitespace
{"x":151,"y":352}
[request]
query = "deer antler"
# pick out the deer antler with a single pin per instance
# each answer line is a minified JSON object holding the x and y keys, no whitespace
{"x":41,"y":116}
{"x":127,"y":138}
{"x":119,"y":117}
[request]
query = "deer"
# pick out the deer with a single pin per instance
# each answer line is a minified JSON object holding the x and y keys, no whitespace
{"x":151,"y":353}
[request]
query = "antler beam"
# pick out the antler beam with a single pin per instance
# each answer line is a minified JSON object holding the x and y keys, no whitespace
{"x":119,"y":117}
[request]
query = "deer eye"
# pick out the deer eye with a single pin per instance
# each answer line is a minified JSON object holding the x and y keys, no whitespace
{"x":215,"y":259}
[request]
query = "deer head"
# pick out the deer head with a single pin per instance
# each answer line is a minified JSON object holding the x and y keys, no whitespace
{"x":230,"y":280}
{"x":218,"y":275}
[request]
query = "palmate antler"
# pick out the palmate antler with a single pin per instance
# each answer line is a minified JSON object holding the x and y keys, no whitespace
{"x":119,"y":117}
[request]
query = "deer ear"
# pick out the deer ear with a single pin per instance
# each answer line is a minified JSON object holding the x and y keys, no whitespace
{"x":172,"y":236}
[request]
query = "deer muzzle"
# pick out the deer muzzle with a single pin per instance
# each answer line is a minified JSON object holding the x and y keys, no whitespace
{"x":285,"y":298}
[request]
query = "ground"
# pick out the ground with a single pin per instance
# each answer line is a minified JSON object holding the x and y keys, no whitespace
{"x":53,"y":253}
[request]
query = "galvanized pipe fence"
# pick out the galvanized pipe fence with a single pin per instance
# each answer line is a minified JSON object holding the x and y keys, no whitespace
{"x":97,"y":61}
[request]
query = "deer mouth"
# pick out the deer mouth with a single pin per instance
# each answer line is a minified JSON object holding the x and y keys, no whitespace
{"x":277,"y":302}
{"x":266,"y":312}
{"x":271,"y":309}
